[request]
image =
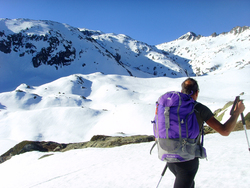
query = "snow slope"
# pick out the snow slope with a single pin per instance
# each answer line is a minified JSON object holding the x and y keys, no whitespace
{"x":127,"y":166}
{"x":113,"y":104}
{"x":74,"y":108}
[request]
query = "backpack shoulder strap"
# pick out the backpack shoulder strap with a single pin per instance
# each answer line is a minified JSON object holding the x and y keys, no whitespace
{"x":201,"y":122}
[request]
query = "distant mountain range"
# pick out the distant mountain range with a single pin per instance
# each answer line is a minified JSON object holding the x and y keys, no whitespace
{"x":32,"y":49}
{"x":213,"y":53}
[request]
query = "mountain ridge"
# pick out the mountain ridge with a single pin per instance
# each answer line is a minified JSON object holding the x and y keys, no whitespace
{"x":193,"y":36}
{"x":48,"y":49}
{"x":213,"y":54}
{"x":51,"y":49}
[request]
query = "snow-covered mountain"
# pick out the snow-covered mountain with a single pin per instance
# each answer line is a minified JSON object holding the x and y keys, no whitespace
{"x":51,"y":50}
{"x":216,"y":53}
{"x":34,"y":49}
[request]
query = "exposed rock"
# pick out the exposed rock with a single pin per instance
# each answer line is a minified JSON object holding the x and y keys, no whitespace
{"x":26,"y":146}
{"x":190,"y":36}
{"x":237,"y":30}
{"x":98,"y":141}
{"x":221,"y":111}
{"x":214,"y":34}
{"x":239,"y":125}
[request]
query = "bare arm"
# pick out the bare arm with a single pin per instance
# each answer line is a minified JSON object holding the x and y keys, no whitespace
{"x":226,"y":128}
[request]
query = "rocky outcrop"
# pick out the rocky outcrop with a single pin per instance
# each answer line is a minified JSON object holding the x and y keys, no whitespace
{"x":46,"y":55}
{"x":97,"y":141}
{"x":26,"y":146}
{"x":238,"y":29}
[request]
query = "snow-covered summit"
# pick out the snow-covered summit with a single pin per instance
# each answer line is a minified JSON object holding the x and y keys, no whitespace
{"x":212,"y":54}
{"x":32,"y":49}
{"x":190,"y":36}
{"x":239,"y":30}
{"x":42,"y":48}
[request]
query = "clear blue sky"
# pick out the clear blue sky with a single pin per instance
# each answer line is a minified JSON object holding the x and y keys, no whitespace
{"x":150,"y":21}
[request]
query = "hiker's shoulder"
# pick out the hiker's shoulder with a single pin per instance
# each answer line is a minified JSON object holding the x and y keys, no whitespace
{"x":200,"y":107}
{"x":203,"y":110}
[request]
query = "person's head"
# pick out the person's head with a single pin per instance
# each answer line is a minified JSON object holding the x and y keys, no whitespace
{"x":190,"y":87}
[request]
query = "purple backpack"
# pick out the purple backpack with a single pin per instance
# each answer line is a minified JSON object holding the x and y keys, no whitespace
{"x":176,"y":128}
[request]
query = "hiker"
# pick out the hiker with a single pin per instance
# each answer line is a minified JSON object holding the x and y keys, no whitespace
{"x":186,"y":171}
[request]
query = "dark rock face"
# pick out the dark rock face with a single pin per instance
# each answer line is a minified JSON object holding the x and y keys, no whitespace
{"x":47,"y":55}
{"x":237,"y":30}
{"x":98,"y":141}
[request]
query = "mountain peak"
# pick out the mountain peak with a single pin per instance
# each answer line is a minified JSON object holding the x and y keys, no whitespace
{"x":89,"y":32}
{"x":190,"y":36}
{"x":237,"y":30}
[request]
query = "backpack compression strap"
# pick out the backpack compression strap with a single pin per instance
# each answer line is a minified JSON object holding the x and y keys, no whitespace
{"x":166,"y":115}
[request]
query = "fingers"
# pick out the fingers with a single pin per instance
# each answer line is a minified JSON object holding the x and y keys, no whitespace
{"x":240,"y":106}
